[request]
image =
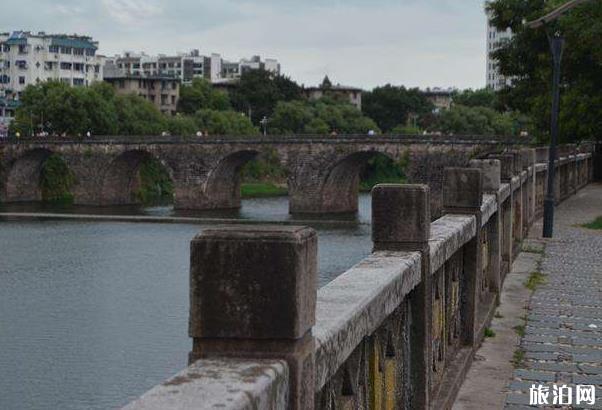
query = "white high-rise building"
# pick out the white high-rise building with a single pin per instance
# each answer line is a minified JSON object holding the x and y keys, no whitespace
{"x":28,"y":58}
{"x":186,"y":67}
{"x":495,"y":39}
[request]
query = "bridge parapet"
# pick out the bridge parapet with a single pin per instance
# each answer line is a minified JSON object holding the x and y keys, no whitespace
{"x":399,"y":329}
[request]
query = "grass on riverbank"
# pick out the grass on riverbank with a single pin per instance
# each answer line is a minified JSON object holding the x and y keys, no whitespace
{"x":262,"y":190}
{"x":597,"y":224}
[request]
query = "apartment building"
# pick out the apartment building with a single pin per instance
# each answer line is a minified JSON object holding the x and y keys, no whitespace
{"x":162,"y":91}
{"x":28,"y":58}
{"x":187,"y":66}
{"x":441,"y":98}
{"x":353,"y":95}
{"x":496,"y":39}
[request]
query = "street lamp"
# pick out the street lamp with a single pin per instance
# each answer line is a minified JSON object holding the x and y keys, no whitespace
{"x":264,"y":123}
{"x":556,"y":47}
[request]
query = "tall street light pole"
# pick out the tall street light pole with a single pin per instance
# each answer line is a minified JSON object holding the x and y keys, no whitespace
{"x":556,"y":47}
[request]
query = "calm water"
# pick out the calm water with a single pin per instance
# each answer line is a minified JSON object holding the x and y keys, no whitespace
{"x":94,"y":314}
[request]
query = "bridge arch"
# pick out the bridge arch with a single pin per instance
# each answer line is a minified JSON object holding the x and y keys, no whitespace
{"x":333,"y":186}
{"x":222,"y":188}
{"x":121,"y":180}
{"x":23,"y":182}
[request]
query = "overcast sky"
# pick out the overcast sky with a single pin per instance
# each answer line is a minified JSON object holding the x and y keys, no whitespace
{"x":426,"y":43}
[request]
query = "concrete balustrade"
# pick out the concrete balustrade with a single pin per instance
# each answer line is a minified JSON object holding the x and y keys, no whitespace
{"x":398,"y":330}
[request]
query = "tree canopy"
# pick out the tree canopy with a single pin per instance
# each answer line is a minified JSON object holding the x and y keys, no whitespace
{"x":479,"y":121}
{"x":390,"y":106}
{"x":319,"y":117}
{"x":484,"y":97}
{"x":527,"y":59}
{"x":201,"y":95}
{"x":57,"y":108}
{"x":259,"y":91}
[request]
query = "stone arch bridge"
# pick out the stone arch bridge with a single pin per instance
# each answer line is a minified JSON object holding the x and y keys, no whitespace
{"x":322,"y":172}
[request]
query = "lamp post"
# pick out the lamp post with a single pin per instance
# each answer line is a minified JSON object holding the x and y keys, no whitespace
{"x":556,"y":47}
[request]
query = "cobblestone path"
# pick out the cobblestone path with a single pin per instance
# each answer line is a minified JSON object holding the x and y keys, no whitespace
{"x":562,"y":343}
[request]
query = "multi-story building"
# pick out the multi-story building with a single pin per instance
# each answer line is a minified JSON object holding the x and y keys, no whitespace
{"x":233,"y":70}
{"x":187,"y":66}
{"x":352,"y":95}
{"x":162,"y":91}
{"x":441,"y":98}
{"x":496,"y":39}
{"x":28,"y":58}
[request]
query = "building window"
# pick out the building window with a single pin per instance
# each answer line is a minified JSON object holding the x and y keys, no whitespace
{"x":90,"y":52}
{"x":6,"y":48}
{"x":78,"y":51}
{"x":53,"y":49}
{"x":65,"y":50}
{"x":21,"y":80}
{"x":23,"y":49}
{"x":173,"y":99}
{"x":174,"y":86}
{"x":65,"y":66}
{"x":78,"y":82}
{"x":163,"y":99}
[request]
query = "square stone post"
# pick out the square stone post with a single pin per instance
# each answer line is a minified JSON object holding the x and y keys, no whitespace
{"x":401,"y":221}
{"x":508,"y":214}
{"x":463,"y":194}
{"x":529,"y":160}
{"x":490,"y":170}
{"x":253,"y":295}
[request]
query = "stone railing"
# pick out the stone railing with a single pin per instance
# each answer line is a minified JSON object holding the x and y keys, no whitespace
{"x":284,"y":138}
{"x":398,"y":330}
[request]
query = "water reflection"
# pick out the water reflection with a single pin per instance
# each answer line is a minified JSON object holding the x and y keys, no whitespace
{"x":260,"y":209}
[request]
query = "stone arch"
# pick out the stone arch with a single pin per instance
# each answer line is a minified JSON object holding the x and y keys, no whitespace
{"x":222,"y":187}
{"x":120,"y":179}
{"x":24,"y":176}
{"x":340,"y":189}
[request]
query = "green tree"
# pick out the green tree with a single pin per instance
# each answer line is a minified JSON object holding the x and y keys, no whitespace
{"x":484,"y":97}
{"x":259,"y":91}
{"x":473,"y":120}
{"x":224,"y":123}
{"x":391,"y":106}
{"x":527,"y":59}
{"x":319,"y":117}
{"x":137,"y":116}
{"x":56,"y":180}
{"x":182,"y":125}
{"x":201,"y":95}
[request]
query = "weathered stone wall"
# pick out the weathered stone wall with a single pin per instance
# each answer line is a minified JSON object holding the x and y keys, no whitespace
{"x":323,"y":174}
{"x":399,"y":329}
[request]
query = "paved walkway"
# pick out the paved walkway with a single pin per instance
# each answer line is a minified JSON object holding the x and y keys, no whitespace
{"x":563,"y":335}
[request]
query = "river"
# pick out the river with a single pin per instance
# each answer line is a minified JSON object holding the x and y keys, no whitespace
{"x":93,"y":314}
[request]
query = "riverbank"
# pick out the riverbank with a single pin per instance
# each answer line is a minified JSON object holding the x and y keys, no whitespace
{"x":12,"y":216}
{"x":262,"y":190}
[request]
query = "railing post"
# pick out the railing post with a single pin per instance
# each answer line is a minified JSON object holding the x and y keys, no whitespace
{"x":253,"y":295}
{"x":463,"y":194}
{"x":507,"y":172}
{"x":529,"y":160}
{"x":401,"y":221}
{"x":491,"y":171}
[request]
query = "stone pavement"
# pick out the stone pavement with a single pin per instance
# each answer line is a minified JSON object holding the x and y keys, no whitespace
{"x":562,"y":343}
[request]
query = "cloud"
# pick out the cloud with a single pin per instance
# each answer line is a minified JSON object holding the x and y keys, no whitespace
{"x":357,"y":42}
{"x":132,"y":12}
